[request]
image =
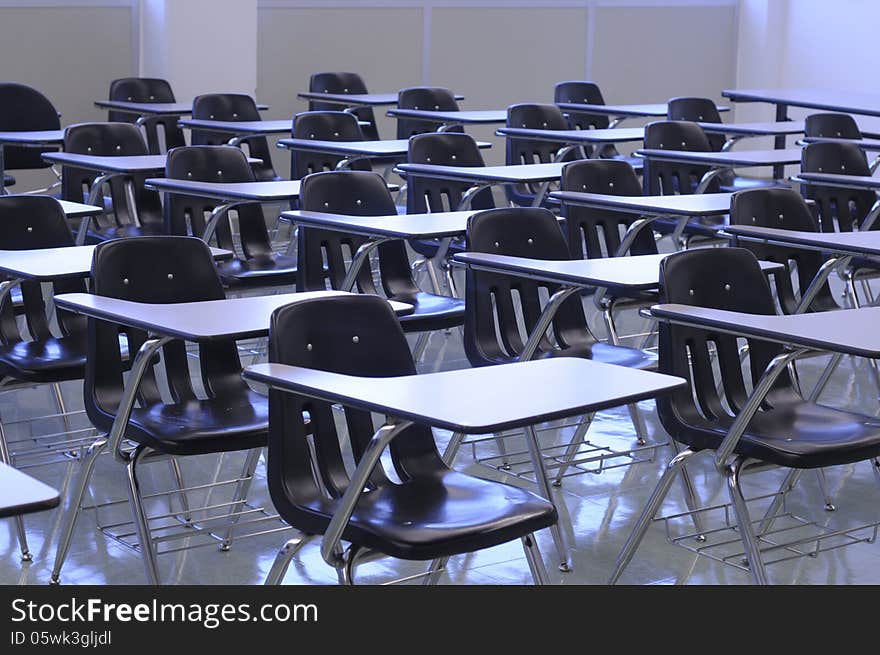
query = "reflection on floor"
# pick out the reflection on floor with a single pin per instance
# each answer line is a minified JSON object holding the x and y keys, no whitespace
{"x":600,"y":509}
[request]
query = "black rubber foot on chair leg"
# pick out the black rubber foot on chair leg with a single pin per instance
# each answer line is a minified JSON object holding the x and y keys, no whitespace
{"x":830,"y":507}
{"x":224,"y":548}
{"x":27,"y":557}
{"x":556,"y":483}
{"x":565,"y":567}
{"x":54,"y":581}
{"x":701,"y":538}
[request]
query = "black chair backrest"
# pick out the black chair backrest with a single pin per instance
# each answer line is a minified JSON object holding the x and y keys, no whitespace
{"x":163,"y":269}
{"x":698,"y":110}
{"x":343,"y":83}
{"x":24,"y":109}
{"x":430,"y":98}
{"x":494,"y":302}
{"x":581,"y":93}
{"x":593,"y":232}
{"x":111,"y":140}
{"x":835,"y":126}
{"x":147,"y":89}
{"x":186,"y":215}
{"x":715,"y":278}
{"x":319,"y":334}
{"x":537,"y":117}
{"x":426,"y":194}
{"x":839,"y":209}
{"x":785,"y":209}
{"x":323,"y":126}
{"x":233,"y":107}
{"x":322,"y":253}
{"x":28,"y":223}
{"x":669,"y":178}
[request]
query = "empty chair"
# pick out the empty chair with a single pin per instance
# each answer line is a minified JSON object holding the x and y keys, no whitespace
{"x":233,"y":107}
{"x":429,"y":98}
{"x":832,"y":125}
{"x":148,"y":90}
{"x":669,"y":178}
{"x":33,"y":352}
{"x":343,"y":83}
{"x":426,"y":194}
{"x":784,"y":209}
{"x":259,"y":265}
{"x":224,"y":416}
{"x":839,"y":209}
{"x":432,"y":512}
{"x":530,"y":151}
{"x":135,"y":211}
{"x":322,"y":253}
{"x":24,"y":109}
{"x":323,"y":126}
{"x":579,"y":92}
{"x":784,"y":430}
{"x":593,"y":232}
{"x":704,"y":110}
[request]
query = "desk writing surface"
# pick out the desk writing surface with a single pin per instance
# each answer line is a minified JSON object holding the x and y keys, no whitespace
{"x":478,"y":400}
{"x":256,"y":191}
{"x":22,"y":494}
{"x":383,"y":148}
{"x":78,"y":209}
{"x":768,"y":128}
{"x":615,"y":135}
{"x":699,"y":204}
{"x":866,"y":104}
{"x":38,"y":137}
{"x":852,"y":243}
{"x":848,"y":331}
{"x":239,"y":318}
{"x":147,"y":108}
{"x":742,"y":158}
{"x":869,"y":144}
{"x":477,"y":116}
{"x":238,"y":127}
{"x":398,"y":226}
{"x":109,"y":164}
{"x":523,"y":173}
{"x":840,"y":180}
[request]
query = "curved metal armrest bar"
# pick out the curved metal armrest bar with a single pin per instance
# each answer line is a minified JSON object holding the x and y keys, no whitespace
{"x":468,"y":196}
{"x":216,"y":214}
{"x":544,"y":321}
{"x":360,"y":256}
{"x":331,"y":550}
{"x":632,"y":232}
{"x":94,"y":193}
{"x":129,"y":395}
{"x":241,"y":138}
{"x":872,"y":214}
{"x":819,"y":280}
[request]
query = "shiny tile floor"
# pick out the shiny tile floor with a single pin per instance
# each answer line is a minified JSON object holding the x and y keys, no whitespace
{"x":600,"y":509}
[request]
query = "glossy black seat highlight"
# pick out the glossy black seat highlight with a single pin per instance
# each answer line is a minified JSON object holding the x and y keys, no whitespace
{"x":323,"y":126}
{"x":432,"y":511}
{"x":428,"y":98}
{"x":112,"y":139}
{"x":259,"y":265}
{"x":322,"y":252}
{"x":343,"y":83}
{"x":148,"y":90}
{"x":233,"y":107}
{"x":784,"y":209}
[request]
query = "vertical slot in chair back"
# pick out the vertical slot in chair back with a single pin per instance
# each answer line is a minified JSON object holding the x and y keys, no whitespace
{"x":147,"y":90}
{"x":670,"y":178}
{"x":839,"y":209}
{"x":323,"y":126}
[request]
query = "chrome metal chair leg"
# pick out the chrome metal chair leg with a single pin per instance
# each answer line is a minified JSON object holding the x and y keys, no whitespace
{"x":435,"y":570}
{"x":345,"y":570}
{"x":62,"y":409}
{"x":770,"y":515}
{"x":536,"y":562}
{"x":450,"y":281}
{"x":545,"y":490}
{"x":434,"y":277}
{"x":690,"y":496}
{"x":875,"y":466}
{"x":639,"y":424}
{"x":19,"y":520}
{"x":421,"y":346}
{"x":659,"y":494}
{"x":744,"y":522}
{"x":502,"y":450}
{"x":177,"y":476}
{"x":452,"y":448}
{"x":823,"y":380}
{"x":74,"y":505}
{"x":141,"y":522}
{"x":282,"y":559}
{"x":823,"y":486}
{"x":576,"y":440}
{"x":242,"y":487}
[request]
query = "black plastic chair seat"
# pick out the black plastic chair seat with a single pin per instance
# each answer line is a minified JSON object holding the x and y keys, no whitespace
{"x":432,"y":312}
{"x":800,"y":434}
{"x":258,"y":271}
{"x":47,"y":360}
{"x":611,"y":354}
{"x":197,"y":426}
{"x":442,"y":514}
{"x":743,"y":183}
